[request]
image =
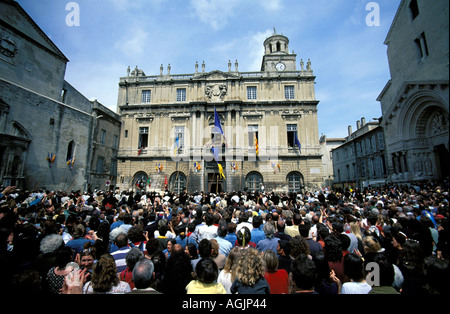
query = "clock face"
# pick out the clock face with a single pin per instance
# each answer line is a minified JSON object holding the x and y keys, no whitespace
{"x":280,"y":66}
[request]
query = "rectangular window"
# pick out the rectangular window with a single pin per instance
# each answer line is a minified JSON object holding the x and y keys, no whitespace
{"x":146,"y":96}
{"x":252,"y":131}
{"x":143,"y":137}
{"x":100,"y":164}
{"x":414,"y":8}
{"x":181,"y":94}
{"x":380,"y":141}
{"x":289,"y":92}
{"x":102,"y":136}
{"x":113,"y":170}
{"x":291,"y":133}
{"x":251,"y":93}
{"x":126,"y":134}
{"x":116,"y":142}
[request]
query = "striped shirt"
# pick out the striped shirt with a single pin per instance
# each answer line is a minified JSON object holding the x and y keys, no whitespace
{"x":119,"y":257}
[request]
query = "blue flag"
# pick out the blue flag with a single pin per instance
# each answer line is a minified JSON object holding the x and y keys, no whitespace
{"x":218,"y":125}
{"x":297,"y":142}
{"x":217,"y":121}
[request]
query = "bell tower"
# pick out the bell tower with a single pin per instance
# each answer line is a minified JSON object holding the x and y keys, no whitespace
{"x":276,"y":54}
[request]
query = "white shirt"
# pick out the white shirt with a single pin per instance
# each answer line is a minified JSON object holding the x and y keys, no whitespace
{"x":355,"y":288}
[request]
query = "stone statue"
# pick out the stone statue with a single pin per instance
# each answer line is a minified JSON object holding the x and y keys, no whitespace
{"x":196,"y":66}
{"x":128,"y":71}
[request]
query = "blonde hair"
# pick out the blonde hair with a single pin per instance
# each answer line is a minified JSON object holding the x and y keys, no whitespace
{"x":356,"y":229}
{"x":270,"y":260}
{"x":251,"y":267}
{"x":371,"y":245}
{"x":232,"y":261}
{"x":215,"y":248}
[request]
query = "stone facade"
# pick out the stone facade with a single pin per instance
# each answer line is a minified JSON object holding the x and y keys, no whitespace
{"x":415,"y":102}
{"x":327,"y":145}
{"x":275,"y":104}
{"x":361,"y":160}
{"x":46,"y":125}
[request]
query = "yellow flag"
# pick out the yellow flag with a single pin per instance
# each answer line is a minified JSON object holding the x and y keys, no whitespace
{"x":221,"y":171}
{"x":256,"y":145}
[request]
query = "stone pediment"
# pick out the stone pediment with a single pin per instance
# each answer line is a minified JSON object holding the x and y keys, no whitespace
{"x":216,"y":76}
{"x":21,"y":25}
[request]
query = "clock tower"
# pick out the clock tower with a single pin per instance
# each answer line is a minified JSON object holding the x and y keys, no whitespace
{"x":276,"y":55}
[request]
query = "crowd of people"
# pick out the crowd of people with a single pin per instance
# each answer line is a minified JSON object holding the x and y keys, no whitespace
{"x":378,"y":240}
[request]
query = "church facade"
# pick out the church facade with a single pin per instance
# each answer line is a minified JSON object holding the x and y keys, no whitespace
{"x":270,"y":138}
{"x":415,"y":101}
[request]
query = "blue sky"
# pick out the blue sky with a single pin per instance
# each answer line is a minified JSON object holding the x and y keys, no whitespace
{"x":348,"y":56}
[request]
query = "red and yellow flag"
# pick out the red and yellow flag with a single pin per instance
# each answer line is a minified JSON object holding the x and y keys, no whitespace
{"x":256,"y":145}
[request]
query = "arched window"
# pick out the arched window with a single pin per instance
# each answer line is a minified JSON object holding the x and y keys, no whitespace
{"x":295,"y":181}
{"x":253,"y":181}
{"x":177,"y":182}
{"x":140,"y":180}
{"x":278,"y":46}
{"x":70,"y":151}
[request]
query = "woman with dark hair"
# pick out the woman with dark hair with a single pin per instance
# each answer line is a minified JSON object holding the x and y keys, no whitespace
{"x":334,"y":256}
{"x":177,"y":273}
{"x":243,"y":238}
{"x":354,"y":270}
{"x":56,"y":274}
{"x":206,"y":272}
{"x":411,"y":264}
{"x":102,"y":245}
{"x":324,"y":284}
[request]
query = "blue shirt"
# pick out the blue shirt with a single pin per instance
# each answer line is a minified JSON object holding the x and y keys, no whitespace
{"x":257,"y":235}
{"x":224,"y":245}
{"x":232,"y":238}
{"x":266,"y":244}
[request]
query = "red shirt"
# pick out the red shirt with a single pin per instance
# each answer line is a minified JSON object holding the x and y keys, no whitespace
{"x":278,"y":281}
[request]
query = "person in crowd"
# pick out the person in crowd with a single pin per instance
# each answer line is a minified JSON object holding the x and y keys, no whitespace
{"x":354,"y":271}
{"x":143,"y":277}
{"x":303,"y":275}
{"x":177,"y":273}
{"x":134,"y":255}
{"x":270,"y":242}
{"x":206,"y":273}
{"x":250,"y":274}
{"x":228,"y":274}
{"x":56,"y":274}
{"x":278,"y":279}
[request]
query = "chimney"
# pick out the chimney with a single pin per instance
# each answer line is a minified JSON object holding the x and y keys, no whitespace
{"x":350,"y":130}
{"x":363,"y":121}
{"x":358,"y":125}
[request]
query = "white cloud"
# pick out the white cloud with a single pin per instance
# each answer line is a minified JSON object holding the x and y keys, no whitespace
{"x":271,"y":5}
{"x":247,"y":49}
{"x":133,"y":43}
{"x":215,"y":13}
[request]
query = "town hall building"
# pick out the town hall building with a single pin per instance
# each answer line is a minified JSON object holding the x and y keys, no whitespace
{"x":270,"y":138}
